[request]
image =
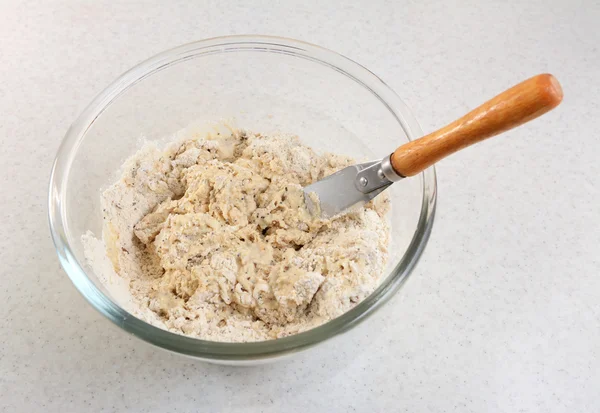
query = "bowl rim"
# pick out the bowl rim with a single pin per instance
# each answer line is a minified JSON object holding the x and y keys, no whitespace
{"x":221,"y":351}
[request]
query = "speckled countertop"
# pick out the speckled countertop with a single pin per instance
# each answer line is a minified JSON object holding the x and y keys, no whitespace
{"x":501,"y":315}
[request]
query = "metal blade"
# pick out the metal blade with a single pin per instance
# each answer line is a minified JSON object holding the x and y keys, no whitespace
{"x":351,"y":186}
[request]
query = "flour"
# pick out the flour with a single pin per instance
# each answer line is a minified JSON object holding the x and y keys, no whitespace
{"x":213,"y":239}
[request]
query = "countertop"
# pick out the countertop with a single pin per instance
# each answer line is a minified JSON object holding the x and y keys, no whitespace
{"x":502,"y":314}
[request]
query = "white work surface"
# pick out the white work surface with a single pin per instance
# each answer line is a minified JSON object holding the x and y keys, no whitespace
{"x":502,"y":314}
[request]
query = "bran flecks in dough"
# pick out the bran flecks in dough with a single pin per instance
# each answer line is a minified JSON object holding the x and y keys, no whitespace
{"x":215,"y":240}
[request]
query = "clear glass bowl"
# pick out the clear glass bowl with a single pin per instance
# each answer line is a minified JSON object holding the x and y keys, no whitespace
{"x":262,"y":84}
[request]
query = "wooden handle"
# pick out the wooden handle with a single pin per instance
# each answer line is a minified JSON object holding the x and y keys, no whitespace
{"x":517,"y":105}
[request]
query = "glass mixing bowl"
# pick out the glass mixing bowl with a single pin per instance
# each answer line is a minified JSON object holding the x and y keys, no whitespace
{"x":262,"y":84}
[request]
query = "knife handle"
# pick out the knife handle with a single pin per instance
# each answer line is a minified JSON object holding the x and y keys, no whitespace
{"x":511,"y":108}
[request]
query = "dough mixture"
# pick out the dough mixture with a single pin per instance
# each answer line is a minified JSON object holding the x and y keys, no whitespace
{"x":214,"y":240}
